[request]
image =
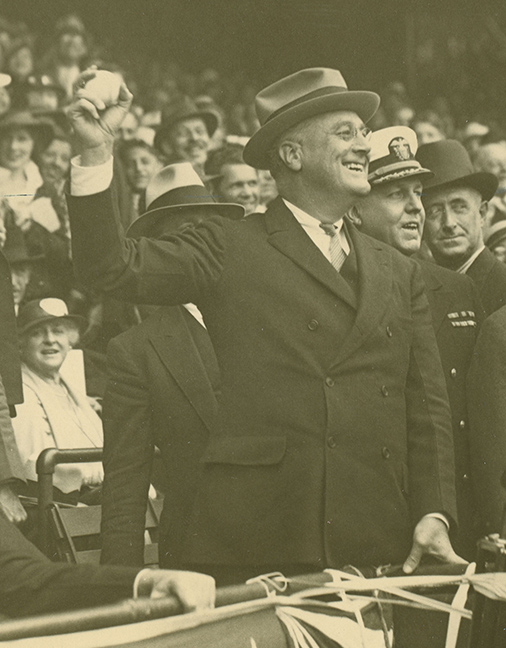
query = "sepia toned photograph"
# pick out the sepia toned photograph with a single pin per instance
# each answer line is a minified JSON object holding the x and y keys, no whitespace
{"x":252,"y":324}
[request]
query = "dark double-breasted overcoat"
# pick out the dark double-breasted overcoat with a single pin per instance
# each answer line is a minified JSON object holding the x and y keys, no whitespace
{"x":333,"y":435}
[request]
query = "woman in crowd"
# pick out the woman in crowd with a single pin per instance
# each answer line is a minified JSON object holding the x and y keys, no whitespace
{"x":55,"y":413}
{"x":20,"y":135}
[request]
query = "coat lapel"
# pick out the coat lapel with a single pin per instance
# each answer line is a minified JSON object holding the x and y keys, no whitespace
{"x":287,"y":236}
{"x":440,"y":299}
{"x":375,"y":290}
{"x":177,"y":350}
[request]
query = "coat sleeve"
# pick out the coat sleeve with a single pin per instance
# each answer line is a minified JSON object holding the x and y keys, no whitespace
{"x":128,"y":457}
{"x":430,"y":440}
{"x":10,"y":461}
{"x":31,"y":584}
{"x":486,"y":393}
{"x":173,"y":271}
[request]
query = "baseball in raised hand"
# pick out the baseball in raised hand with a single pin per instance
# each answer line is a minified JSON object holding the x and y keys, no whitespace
{"x":100,"y":103}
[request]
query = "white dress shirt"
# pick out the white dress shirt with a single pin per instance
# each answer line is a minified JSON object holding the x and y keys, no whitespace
{"x":312,"y":228}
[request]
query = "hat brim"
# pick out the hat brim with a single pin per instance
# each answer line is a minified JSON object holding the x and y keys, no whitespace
{"x":209,"y":119}
{"x":422,"y":174}
{"x":42,"y":131}
{"x":149,"y":223}
{"x":364,"y":103}
{"x":485,"y":183}
{"x":80,"y":322}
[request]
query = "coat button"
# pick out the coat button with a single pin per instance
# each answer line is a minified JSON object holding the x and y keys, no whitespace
{"x":384,"y":390}
{"x":313,"y":325}
{"x":389,"y":331}
{"x":462,"y":424}
{"x":465,"y":477}
{"x":386,"y":453}
{"x":331,"y":442}
{"x":453,"y":372}
{"x":329,"y":382}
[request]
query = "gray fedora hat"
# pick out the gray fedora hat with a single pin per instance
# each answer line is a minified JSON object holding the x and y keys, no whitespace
{"x":297,"y":97}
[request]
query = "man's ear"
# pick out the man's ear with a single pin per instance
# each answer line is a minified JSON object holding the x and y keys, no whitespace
{"x":291,"y":154}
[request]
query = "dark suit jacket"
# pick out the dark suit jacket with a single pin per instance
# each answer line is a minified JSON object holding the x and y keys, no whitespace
{"x":456,"y":316}
{"x":489,"y":275}
{"x":10,"y":364}
{"x":334,"y":432}
{"x":31,"y":584}
{"x":163,"y":375}
{"x":487,"y":412}
{"x":11,"y":390}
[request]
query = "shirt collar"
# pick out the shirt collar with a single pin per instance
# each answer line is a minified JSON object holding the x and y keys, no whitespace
{"x":307,"y":220}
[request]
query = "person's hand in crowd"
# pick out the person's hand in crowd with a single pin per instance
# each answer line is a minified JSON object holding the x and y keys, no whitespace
{"x":430,"y":538}
{"x":10,"y":505}
{"x":95,"y":124}
{"x":195,"y":591}
{"x":22,"y":218}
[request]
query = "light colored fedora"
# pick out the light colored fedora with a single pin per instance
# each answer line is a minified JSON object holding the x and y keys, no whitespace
{"x":297,"y":97}
{"x":175,"y":188}
{"x":392,"y":155}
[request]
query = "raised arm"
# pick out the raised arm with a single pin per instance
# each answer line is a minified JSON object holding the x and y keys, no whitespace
{"x":144,"y":271}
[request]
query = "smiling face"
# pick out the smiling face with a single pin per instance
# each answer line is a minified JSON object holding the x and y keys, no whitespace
{"x":140,"y":166}
{"x":45,"y":347}
{"x":239,"y":184}
{"x":16,"y":147}
{"x":393,"y":213}
{"x":189,"y":140}
{"x":55,"y":162}
{"x":335,"y":156}
{"x":453,"y":227}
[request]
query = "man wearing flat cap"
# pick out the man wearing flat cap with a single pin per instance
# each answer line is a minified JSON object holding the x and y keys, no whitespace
{"x":333,"y":440}
{"x":455,"y":202}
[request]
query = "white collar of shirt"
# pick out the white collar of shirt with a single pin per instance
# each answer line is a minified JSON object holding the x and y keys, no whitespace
{"x":193,"y":310}
{"x":465,"y":266}
{"x":312,"y":228}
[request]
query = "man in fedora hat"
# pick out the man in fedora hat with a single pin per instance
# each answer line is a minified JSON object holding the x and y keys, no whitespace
{"x":162,"y":388}
{"x":333,"y":440}
{"x":185,"y":132}
{"x":455,"y":202}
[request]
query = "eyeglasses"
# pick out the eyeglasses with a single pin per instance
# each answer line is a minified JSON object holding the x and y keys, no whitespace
{"x":349,"y":132}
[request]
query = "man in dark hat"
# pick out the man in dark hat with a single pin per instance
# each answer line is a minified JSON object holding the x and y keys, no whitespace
{"x":185,"y":133}
{"x":455,"y":202}
{"x":162,"y":391}
{"x":333,"y":405}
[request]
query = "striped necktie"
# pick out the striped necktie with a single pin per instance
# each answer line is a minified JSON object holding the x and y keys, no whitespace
{"x":337,"y":254}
